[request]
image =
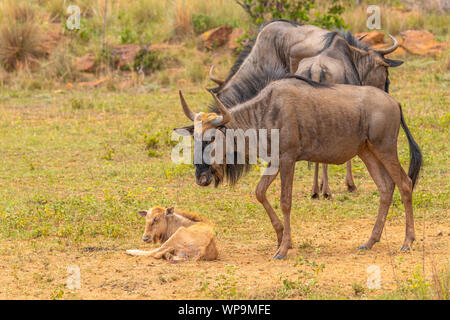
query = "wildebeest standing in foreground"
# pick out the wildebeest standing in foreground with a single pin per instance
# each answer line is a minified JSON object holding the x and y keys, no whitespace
{"x":331,"y":57}
{"x":183,"y":235}
{"x":318,"y":123}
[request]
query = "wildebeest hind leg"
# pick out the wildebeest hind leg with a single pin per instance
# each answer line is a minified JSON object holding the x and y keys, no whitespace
{"x":349,"y":177}
{"x":388,"y":156}
{"x":385,"y":187}
{"x":261,"y":190}
{"x":324,"y":187}
{"x":315,"y":188}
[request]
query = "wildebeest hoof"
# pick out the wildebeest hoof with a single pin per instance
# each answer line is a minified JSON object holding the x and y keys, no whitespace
{"x":404,"y":249}
{"x":279,"y":257}
{"x":315,"y":196}
{"x":351,"y":188}
{"x":327,"y":196}
{"x":363,"y":247}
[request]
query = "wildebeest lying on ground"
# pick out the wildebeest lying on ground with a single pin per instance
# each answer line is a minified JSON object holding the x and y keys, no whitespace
{"x":328,"y":57}
{"x":317,"y":123}
{"x":183,"y":235}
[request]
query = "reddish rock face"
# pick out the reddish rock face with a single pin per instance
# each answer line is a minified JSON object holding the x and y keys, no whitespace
{"x":421,"y":42}
{"x":85,"y":63}
{"x":373,"y":37}
{"x":216,"y":37}
{"x":234,"y":36}
{"x":125,"y":54}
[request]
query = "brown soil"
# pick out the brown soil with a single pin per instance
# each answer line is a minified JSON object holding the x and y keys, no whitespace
{"x":37,"y":269}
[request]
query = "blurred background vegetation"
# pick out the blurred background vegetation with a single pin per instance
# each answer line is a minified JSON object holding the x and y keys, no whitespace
{"x":38,"y":51}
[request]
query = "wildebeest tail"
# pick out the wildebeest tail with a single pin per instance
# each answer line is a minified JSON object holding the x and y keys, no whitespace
{"x":415,"y":155}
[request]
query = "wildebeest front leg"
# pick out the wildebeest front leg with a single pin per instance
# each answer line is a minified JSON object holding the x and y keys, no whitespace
{"x":261,"y":190}
{"x":287,"y":168}
{"x":349,"y":177}
{"x":324,"y":187}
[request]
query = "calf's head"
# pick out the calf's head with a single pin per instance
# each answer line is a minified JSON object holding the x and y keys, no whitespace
{"x":156,"y":224}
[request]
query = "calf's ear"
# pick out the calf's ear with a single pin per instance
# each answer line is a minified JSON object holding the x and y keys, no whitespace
{"x":142,"y":213}
{"x":169,"y":211}
{"x":185,"y":131}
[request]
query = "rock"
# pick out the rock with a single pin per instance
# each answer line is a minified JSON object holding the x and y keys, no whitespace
{"x":124,"y":54}
{"x":52,"y":37}
{"x":234,"y":36}
{"x":126,"y":84}
{"x":373,"y":37}
{"x":216,"y":37}
{"x":85,"y":63}
{"x":421,"y":42}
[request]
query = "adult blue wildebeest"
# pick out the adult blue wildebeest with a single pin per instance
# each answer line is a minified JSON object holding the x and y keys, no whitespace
{"x":318,"y":123}
{"x":315,"y":53}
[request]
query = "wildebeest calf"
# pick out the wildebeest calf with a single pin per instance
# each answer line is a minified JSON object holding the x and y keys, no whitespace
{"x":183,"y":235}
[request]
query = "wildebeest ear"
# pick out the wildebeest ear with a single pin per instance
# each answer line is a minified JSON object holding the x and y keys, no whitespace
{"x":169,"y":211}
{"x":393,"y":63}
{"x":143,"y":213}
{"x":185,"y":131}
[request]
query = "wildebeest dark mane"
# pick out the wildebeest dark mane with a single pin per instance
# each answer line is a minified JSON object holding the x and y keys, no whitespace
{"x":353,"y":41}
{"x":237,"y":64}
{"x":247,"y":50}
{"x":255,"y":81}
{"x":329,"y":37}
{"x":249,"y":86}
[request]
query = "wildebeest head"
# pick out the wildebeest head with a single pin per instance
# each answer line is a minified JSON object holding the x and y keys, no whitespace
{"x":204,"y":130}
{"x":346,"y":60}
{"x":156,"y":224}
{"x":371,"y":63}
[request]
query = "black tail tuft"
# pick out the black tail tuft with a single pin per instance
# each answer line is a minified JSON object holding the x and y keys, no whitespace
{"x":415,"y":154}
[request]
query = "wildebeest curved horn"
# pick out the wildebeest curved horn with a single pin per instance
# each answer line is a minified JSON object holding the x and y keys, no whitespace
{"x":362,"y":37}
{"x":188,"y":112}
{"x":390,"y":49}
{"x":216,"y":80}
{"x":226,"y":114}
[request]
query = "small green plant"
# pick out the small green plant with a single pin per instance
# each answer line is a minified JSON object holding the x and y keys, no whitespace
{"x":306,"y":281}
{"x":128,"y":36}
{"x":225,"y":286}
{"x":202,"y":23}
{"x":148,"y":61}
{"x":358,"y":290}
{"x":108,"y":152}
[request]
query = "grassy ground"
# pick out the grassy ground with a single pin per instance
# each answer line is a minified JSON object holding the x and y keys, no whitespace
{"x":77,"y":165}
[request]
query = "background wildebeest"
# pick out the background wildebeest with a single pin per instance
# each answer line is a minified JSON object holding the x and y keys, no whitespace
{"x":319,"y":123}
{"x":183,"y":235}
{"x":312,"y":52}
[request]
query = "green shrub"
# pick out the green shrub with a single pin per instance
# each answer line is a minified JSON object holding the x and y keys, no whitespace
{"x":295,"y":10}
{"x":202,"y":23}
{"x":148,"y":61}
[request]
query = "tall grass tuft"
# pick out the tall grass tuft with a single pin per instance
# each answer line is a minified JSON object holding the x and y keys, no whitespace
{"x":183,"y":19}
{"x":20,"y":38}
